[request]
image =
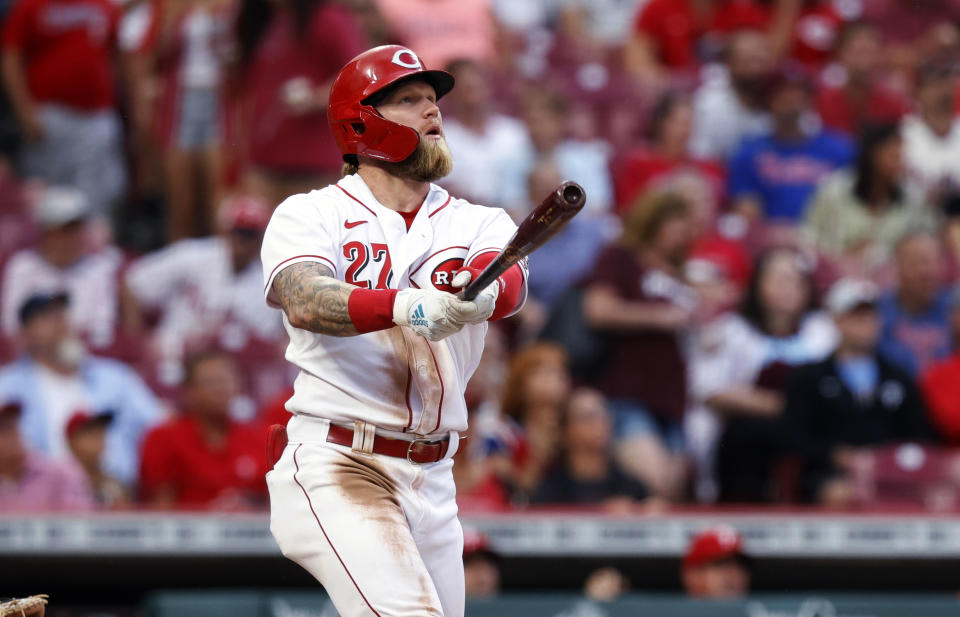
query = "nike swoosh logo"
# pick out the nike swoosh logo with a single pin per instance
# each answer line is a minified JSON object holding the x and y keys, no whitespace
{"x":352,"y":224}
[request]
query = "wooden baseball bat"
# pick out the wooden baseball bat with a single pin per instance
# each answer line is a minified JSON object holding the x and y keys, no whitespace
{"x":543,"y":223}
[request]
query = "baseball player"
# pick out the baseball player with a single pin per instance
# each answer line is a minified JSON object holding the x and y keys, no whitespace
{"x":366,"y":272}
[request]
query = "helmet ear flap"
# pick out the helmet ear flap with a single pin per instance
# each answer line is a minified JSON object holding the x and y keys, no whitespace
{"x":384,"y":139}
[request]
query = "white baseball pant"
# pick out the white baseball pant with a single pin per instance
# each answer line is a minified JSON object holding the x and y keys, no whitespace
{"x":381,"y":534}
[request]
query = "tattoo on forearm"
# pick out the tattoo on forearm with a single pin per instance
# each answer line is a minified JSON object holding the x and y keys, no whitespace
{"x":314,"y":300}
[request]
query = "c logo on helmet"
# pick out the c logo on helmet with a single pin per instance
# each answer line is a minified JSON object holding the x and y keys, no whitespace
{"x":407,"y":59}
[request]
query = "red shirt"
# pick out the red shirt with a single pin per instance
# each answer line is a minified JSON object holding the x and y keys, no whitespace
{"x":642,"y":169}
{"x":287,"y":143}
{"x":841,"y":113}
{"x":66,"y":47}
{"x":677,"y":30}
{"x":644,"y":365}
{"x":175,"y":454}
{"x":940,"y":385}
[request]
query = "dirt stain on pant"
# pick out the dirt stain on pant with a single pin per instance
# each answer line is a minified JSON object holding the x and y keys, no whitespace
{"x":365,"y":484}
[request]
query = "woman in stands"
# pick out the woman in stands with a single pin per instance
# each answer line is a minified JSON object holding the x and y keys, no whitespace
{"x":739,"y":370}
{"x":858,"y":214}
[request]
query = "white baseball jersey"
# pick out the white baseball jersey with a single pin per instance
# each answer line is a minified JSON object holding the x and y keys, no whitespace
{"x":392,"y":378}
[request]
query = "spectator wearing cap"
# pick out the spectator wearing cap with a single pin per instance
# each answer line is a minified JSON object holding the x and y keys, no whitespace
{"x":59,"y":75}
{"x":772,"y":177}
{"x":203,"y":458}
{"x":940,"y":382}
{"x":87,"y":439}
{"x":31,"y":481}
{"x":481,"y":565}
{"x":735,"y":92}
{"x":739,"y":367}
{"x":207,"y":291}
{"x":931,"y":135}
{"x":855,"y":92}
{"x":916,"y":313}
{"x":838,"y":408}
{"x":55,"y":377}
{"x":715,"y":566}
{"x":857,"y":215}
{"x":66,"y":260}
{"x":585,"y":472}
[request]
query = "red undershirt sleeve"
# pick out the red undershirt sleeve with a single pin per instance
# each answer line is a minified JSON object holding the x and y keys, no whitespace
{"x":512,"y":286}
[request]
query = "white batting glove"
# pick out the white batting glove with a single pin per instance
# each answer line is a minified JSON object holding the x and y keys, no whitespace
{"x":480,"y":308}
{"x":427,"y":312}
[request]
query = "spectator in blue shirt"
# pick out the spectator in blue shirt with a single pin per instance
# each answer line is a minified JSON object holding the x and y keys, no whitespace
{"x":916,"y":315}
{"x":773,"y":176}
{"x":55,"y":378}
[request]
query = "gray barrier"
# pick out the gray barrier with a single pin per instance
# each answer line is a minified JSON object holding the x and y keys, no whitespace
{"x":314,"y":604}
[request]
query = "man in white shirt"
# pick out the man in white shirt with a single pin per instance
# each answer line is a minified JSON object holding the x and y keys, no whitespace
{"x":64,"y":261}
{"x":730,"y":106}
{"x":55,"y":378}
{"x":487,"y":144}
{"x":207,"y":290}
{"x":931,"y":136}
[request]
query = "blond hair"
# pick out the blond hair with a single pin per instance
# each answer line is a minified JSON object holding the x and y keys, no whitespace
{"x":647,"y":216}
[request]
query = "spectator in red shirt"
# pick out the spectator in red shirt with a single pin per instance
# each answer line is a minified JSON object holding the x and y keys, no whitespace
{"x":639,"y":296}
{"x":57,"y":68}
{"x":940,"y":383}
{"x":203,"y":458}
{"x":676,"y":35}
{"x":666,"y":157}
{"x":290,"y":53}
{"x":860,"y":95}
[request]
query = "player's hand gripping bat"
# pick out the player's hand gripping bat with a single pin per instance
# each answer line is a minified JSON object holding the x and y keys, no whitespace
{"x":540,"y":225}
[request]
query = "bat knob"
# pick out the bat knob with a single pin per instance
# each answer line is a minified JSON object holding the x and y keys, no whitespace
{"x":572,"y":193}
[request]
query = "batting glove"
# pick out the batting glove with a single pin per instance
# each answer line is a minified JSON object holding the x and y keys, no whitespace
{"x":480,"y":308}
{"x":428,"y":312}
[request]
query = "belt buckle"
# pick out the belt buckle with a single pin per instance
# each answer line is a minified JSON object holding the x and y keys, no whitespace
{"x":419,"y":440}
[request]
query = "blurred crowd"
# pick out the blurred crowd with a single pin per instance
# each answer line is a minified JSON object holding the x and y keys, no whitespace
{"x":757,"y":304}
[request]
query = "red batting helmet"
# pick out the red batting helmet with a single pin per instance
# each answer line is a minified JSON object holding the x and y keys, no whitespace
{"x":357,"y":126}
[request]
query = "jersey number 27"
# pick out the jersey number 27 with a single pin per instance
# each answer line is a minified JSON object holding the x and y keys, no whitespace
{"x":359,"y":255}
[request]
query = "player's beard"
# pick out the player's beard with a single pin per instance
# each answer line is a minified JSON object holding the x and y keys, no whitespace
{"x":431,"y":161}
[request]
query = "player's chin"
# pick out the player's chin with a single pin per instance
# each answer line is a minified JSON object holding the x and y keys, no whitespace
{"x":431,"y":160}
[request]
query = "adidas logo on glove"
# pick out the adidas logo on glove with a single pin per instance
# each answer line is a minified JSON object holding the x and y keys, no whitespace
{"x":418,"y":319}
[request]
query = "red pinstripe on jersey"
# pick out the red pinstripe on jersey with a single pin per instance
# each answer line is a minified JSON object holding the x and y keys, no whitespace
{"x":434,"y":254}
{"x":347,"y":193}
{"x":445,"y":204}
